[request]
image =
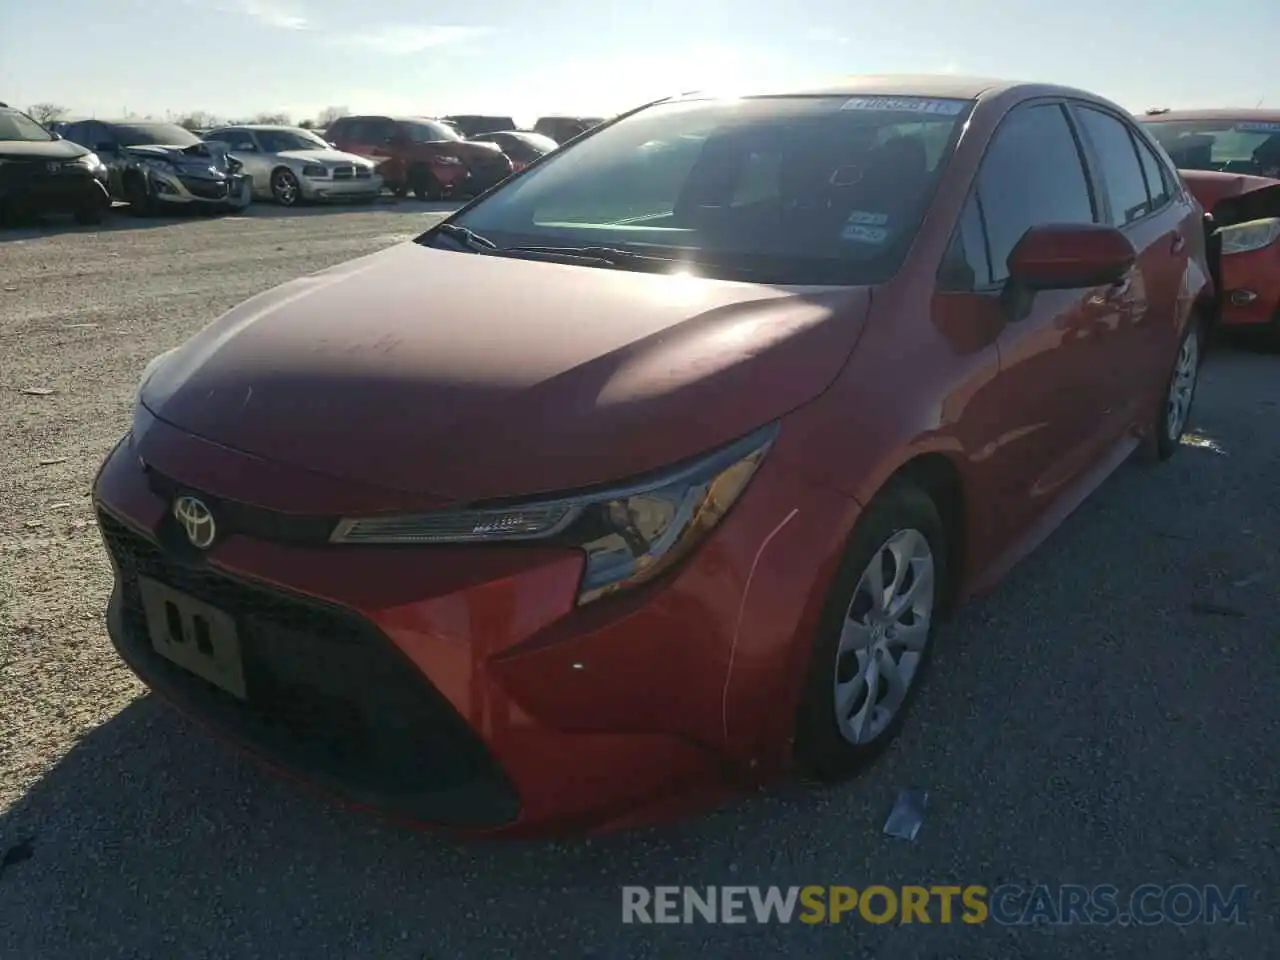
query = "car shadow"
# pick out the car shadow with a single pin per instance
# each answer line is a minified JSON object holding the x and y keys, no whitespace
{"x":121,"y":219}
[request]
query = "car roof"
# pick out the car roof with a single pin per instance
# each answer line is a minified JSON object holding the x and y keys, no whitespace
{"x":940,"y":86}
{"x":260,"y":126}
{"x":1222,"y":113}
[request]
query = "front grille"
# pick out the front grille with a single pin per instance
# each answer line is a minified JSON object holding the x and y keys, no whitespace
{"x":206,"y":189}
{"x":342,"y":173}
{"x":242,"y":518}
{"x":363,"y":173}
{"x":328,"y":696}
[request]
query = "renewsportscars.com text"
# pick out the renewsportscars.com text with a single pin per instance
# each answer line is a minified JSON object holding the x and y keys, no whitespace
{"x":1008,"y":904}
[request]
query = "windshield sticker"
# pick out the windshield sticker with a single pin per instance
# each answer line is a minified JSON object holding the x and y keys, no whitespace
{"x":945,"y":108}
{"x":868,"y":218}
{"x":1258,"y":126}
{"x":864,"y":234}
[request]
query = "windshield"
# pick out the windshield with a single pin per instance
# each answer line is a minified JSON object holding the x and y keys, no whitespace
{"x":1231,"y":146}
{"x":788,"y":190}
{"x":428,"y":131}
{"x":166,"y":134}
{"x":278,"y":141}
{"x":16,"y":125}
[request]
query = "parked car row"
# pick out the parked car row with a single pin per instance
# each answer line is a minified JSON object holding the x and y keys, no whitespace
{"x":153,"y":166}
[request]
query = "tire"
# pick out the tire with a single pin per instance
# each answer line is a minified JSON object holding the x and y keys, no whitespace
{"x":901,"y":522}
{"x":135,"y":194}
{"x":1171,"y":421}
{"x":424,"y":184}
{"x":91,"y":213}
{"x":285,"y":189}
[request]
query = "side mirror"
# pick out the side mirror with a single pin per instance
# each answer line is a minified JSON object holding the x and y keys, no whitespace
{"x":1070,"y":256}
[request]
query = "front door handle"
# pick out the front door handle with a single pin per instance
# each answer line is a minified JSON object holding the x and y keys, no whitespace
{"x":1179,"y":243}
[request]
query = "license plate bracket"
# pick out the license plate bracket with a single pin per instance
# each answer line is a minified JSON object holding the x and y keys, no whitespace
{"x":196,"y":636}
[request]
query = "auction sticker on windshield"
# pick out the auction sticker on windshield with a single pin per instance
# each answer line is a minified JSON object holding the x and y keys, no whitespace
{"x":1258,"y":126}
{"x":946,"y":108}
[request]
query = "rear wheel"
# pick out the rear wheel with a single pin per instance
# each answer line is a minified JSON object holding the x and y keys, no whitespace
{"x":1180,"y":393}
{"x":876,"y":634}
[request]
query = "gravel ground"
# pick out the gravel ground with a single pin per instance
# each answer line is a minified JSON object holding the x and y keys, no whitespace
{"x":1108,"y":715}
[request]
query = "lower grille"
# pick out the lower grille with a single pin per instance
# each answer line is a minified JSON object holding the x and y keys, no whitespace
{"x":328,"y":695}
{"x":206,"y":189}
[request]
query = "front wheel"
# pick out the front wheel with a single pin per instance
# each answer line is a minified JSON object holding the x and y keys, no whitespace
{"x":876,"y":634}
{"x":1180,"y":393}
{"x":425,"y":185}
{"x":91,"y":212}
{"x":136,"y":195}
{"x":285,"y":189}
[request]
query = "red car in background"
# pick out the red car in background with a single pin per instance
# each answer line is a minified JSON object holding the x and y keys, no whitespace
{"x":653,"y":471}
{"x":1230,"y":160}
{"x":422,"y":155}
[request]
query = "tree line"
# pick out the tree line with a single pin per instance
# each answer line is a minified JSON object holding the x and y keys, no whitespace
{"x":47,"y":113}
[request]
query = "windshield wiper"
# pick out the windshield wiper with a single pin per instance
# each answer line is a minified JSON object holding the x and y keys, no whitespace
{"x":610,"y":255}
{"x":467,"y":237}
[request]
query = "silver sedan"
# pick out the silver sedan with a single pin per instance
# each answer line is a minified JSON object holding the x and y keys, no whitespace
{"x":289,"y":164}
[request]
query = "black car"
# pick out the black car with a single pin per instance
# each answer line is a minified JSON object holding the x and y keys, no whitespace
{"x":471,"y":125}
{"x":42,"y":173}
{"x":521,"y":146}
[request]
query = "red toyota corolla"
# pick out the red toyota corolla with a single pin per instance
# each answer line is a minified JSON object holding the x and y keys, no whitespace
{"x":652,"y":472}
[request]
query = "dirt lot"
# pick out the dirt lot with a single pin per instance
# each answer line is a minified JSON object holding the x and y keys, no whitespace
{"x":1110,"y":715}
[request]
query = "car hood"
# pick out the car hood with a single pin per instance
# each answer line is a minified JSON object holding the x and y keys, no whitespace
{"x":462,"y":377}
{"x":1233,"y":197}
{"x":196,"y":158}
{"x":41,"y":150}
{"x":321,"y":156}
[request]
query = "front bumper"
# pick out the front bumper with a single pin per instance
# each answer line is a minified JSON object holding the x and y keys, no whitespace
{"x":234,"y":192}
{"x":1251,"y":287}
{"x":351,"y":188}
{"x":461,"y":686}
{"x":38,"y":191}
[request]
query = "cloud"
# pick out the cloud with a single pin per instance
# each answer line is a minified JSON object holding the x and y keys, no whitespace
{"x":281,"y":14}
{"x":404,"y":39}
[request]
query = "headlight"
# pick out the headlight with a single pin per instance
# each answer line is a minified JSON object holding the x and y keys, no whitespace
{"x":90,"y":161}
{"x":1254,"y":235}
{"x":312,"y":170}
{"x":629,"y":534}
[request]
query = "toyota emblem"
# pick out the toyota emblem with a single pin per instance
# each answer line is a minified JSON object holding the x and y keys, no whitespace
{"x":196,"y":520}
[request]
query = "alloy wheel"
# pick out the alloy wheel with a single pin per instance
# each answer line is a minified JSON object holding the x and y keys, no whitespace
{"x":284,"y":187}
{"x":885,"y":632}
{"x":1182,"y":387}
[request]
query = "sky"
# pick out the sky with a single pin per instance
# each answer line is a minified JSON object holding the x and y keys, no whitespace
{"x":525,"y":58}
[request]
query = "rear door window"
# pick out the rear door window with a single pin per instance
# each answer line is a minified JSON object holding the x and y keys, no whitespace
{"x":1159,"y":181}
{"x":1032,"y":174}
{"x":1125,"y":184}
